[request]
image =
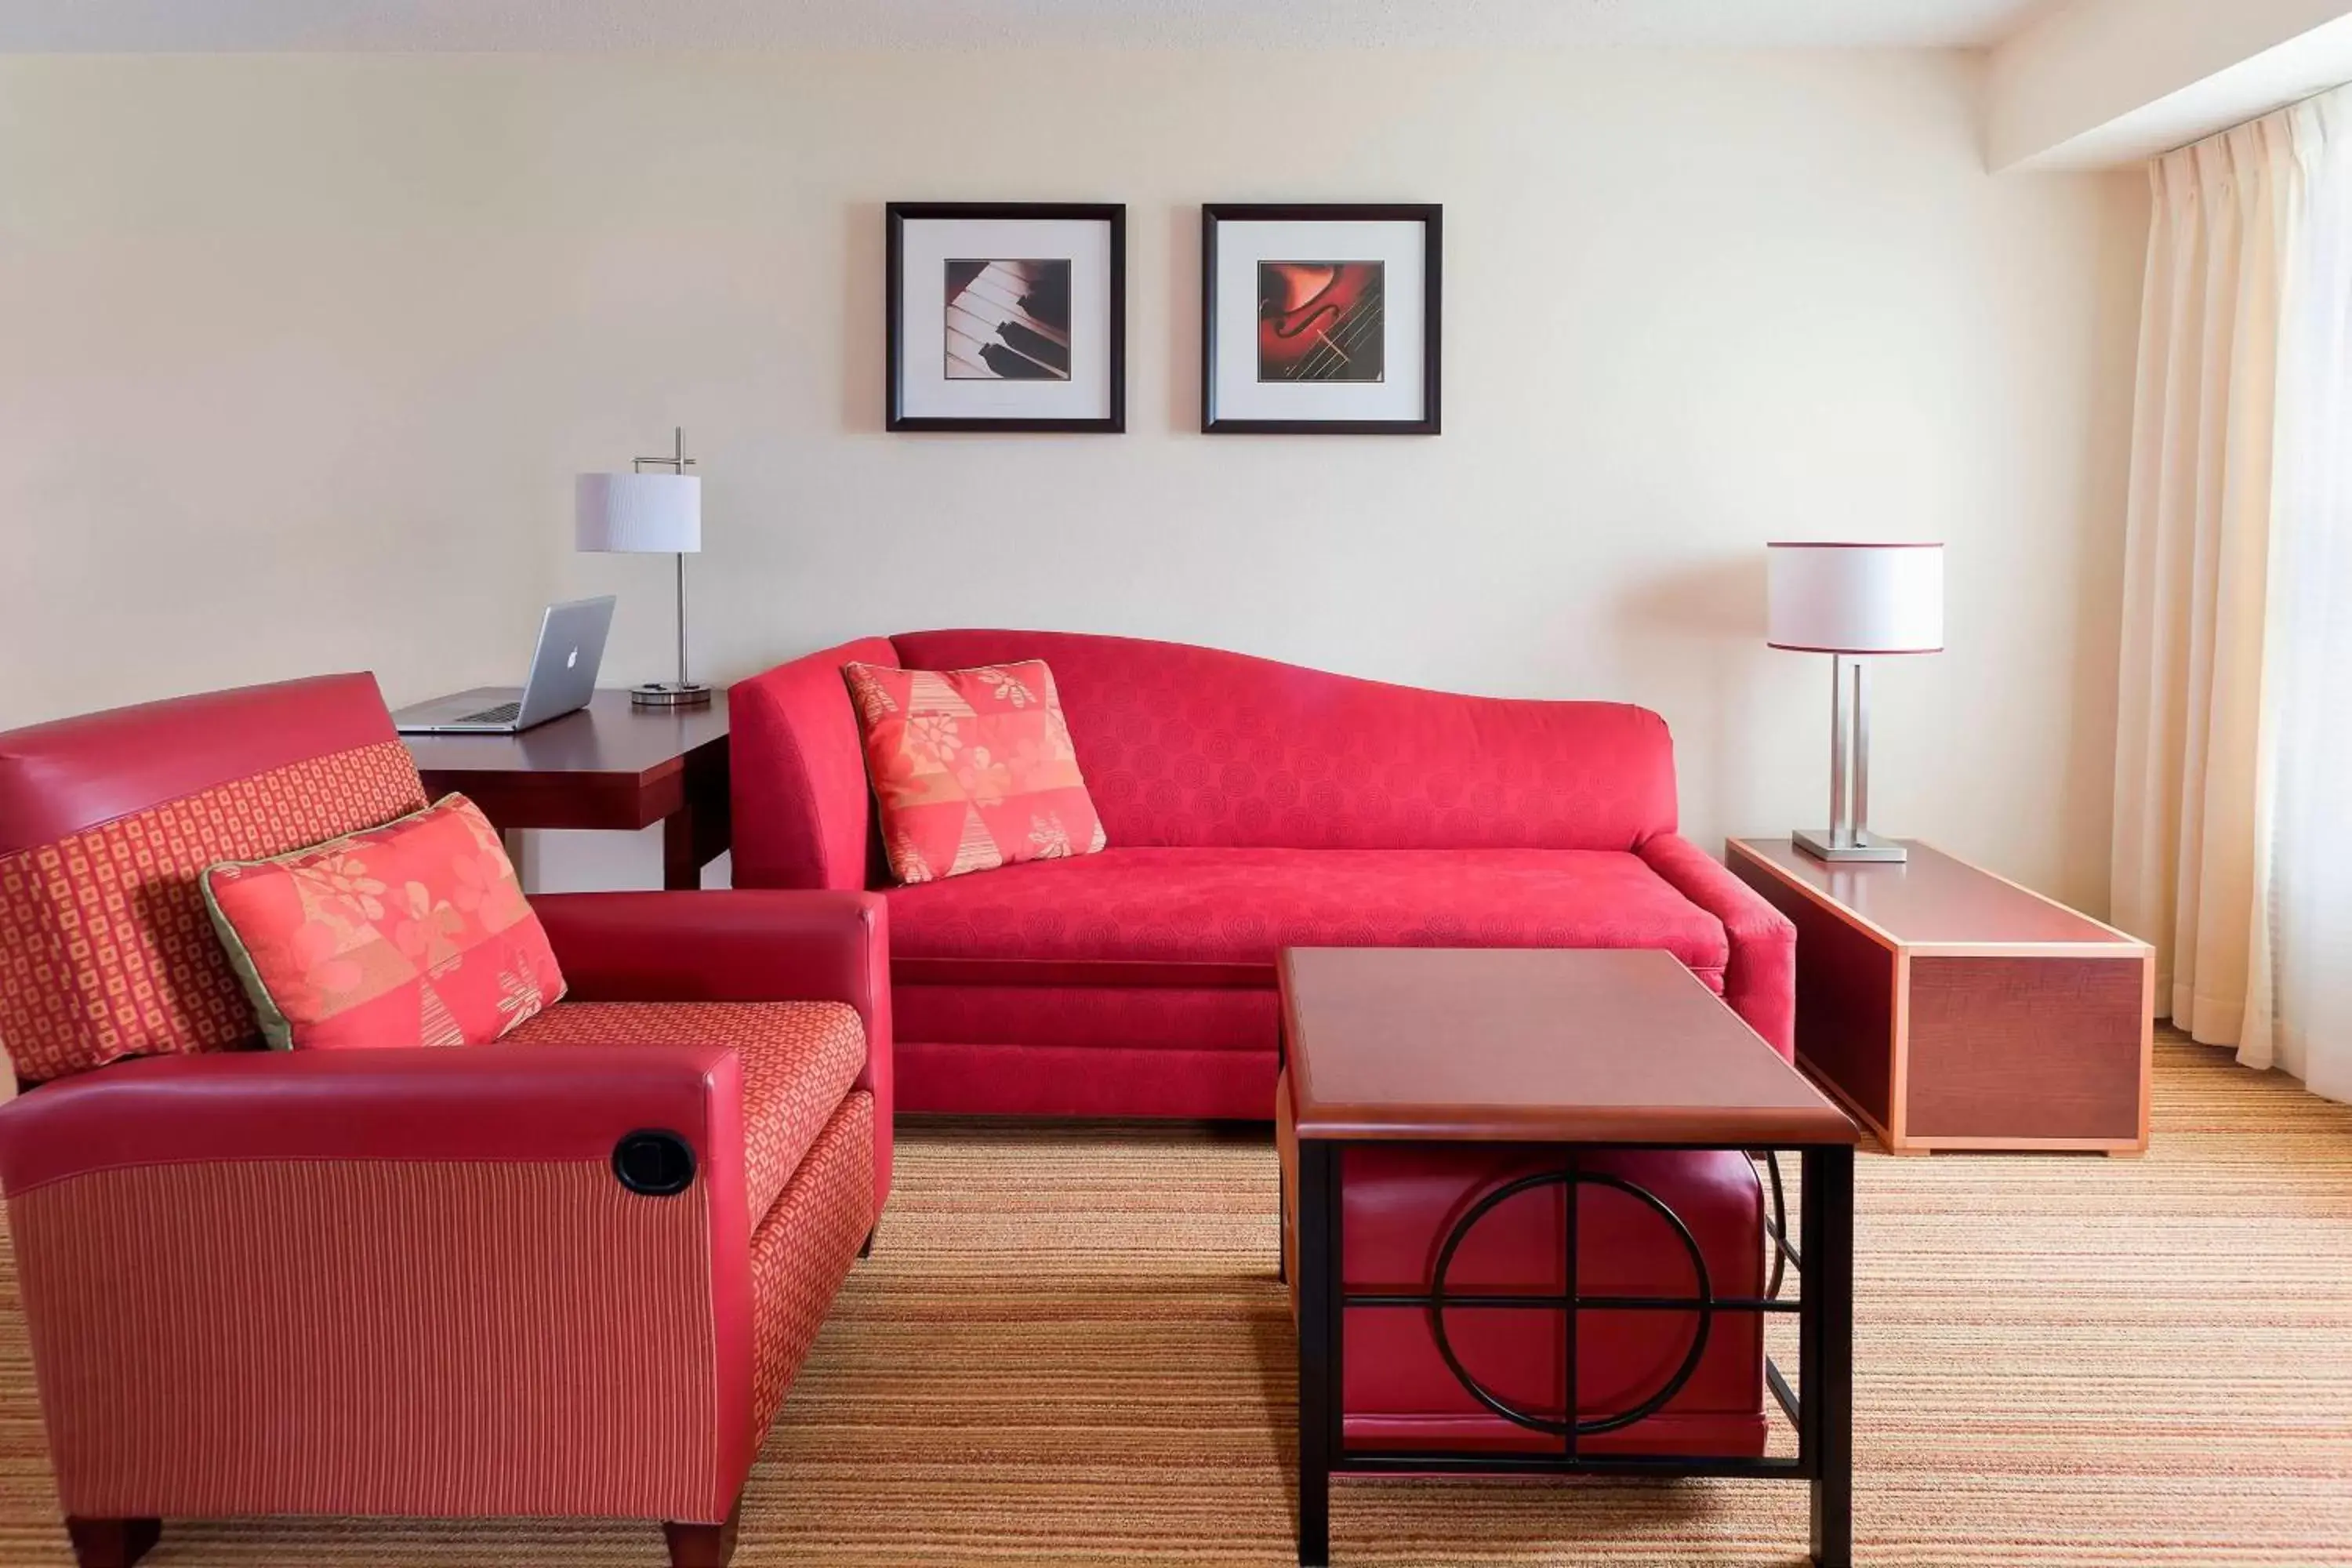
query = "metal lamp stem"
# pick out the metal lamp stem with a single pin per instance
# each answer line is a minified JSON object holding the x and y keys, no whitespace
{"x":1848,"y":835}
{"x":1841,"y":758}
{"x":682,"y":680}
{"x":1858,"y":825}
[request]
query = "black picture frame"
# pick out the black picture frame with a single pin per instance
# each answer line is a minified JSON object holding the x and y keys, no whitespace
{"x":1430,"y":216}
{"x":898,"y":213}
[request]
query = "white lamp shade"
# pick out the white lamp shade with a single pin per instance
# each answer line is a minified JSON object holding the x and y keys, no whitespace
{"x":1856,"y":598}
{"x":652,"y":513}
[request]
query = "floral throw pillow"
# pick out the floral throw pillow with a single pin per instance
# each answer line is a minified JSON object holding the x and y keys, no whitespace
{"x":972,"y":769}
{"x":414,"y":933}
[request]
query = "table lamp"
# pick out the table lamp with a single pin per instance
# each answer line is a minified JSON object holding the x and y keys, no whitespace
{"x":1854,"y":602}
{"x":643,"y":513}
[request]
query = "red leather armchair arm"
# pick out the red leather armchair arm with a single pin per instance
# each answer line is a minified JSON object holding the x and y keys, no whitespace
{"x":1759,"y":980}
{"x":747,"y":945}
{"x":392,"y":1281}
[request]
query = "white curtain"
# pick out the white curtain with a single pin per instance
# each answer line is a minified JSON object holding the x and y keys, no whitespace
{"x":2233,"y":765}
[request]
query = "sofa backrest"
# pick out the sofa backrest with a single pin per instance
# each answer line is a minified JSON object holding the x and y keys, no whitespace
{"x":1184,"y":745}
{"x":106,"y":949}
{"x":802,"y":814}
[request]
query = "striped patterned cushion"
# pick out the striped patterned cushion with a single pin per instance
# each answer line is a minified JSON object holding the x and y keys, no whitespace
{"x":105,"y":947}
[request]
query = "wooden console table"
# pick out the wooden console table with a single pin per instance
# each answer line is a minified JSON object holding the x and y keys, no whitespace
{"x":1951,"y":1009}
{"x":607,"y":766}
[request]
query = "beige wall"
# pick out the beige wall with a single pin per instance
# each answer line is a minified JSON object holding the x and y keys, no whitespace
{"x":298,"y":357}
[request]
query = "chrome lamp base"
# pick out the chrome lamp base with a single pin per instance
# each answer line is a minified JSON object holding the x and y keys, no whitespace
{"x":1820,"y":843}
{"x":670,"y":694}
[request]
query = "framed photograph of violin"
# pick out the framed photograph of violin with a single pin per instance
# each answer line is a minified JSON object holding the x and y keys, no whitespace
{"x":1007,"y":315}
{"x":1319,"y":320}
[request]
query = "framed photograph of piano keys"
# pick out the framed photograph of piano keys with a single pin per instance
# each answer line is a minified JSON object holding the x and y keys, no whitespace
{"x":1320,"y":320}
{"x":1007,"y":315}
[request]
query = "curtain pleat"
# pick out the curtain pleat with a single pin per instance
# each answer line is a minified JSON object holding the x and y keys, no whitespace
{"x":2232,"y":275}
{"x":2299,"y":1005}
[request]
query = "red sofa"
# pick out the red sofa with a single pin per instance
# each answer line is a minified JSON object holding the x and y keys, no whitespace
{"x":1250,"y":805}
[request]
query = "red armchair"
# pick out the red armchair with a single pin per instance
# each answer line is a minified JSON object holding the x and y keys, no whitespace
{"x":408,"y":1281}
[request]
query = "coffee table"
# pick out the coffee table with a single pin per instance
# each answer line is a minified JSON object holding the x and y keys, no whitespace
{"x":1577,"y":1052}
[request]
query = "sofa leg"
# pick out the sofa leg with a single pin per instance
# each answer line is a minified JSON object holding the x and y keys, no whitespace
{"x":704,"y":1545}
{"x":865,"y":1248}
{"x":112,"y":1542}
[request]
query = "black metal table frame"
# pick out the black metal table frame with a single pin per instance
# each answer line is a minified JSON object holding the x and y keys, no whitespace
{"x":1820,"y":1407}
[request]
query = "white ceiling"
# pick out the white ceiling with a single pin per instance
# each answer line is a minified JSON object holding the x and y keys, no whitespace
{"x":124,"y":25}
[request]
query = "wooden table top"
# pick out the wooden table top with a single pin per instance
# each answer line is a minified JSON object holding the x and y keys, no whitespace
{"x":608,"y":737}
{"x":1533,"y":1046}
{"x":1932,"y":899}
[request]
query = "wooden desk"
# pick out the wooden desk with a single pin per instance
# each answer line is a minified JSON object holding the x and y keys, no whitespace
{"x":607,"y":766}
{"x":1951,"y":1009}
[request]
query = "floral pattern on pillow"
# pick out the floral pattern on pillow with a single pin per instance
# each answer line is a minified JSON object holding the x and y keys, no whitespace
{"x":415,"y":933}
{"x":972,"y":769}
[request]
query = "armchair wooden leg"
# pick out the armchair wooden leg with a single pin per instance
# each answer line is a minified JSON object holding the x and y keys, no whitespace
{"x":865,"y":1248}
{"x":704,"y":1545}
{"x":112,"y":1542}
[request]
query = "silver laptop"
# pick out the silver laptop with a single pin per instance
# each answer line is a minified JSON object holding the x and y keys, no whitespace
{"x":562,"y":678}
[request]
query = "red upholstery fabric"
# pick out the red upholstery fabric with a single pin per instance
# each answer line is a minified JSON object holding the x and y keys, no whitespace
{"x":62,"y":778}
{"x":1398,"y":1202}
{"x":1228,"y":906}
{"x":1759,"y":980}
{"x":407,"y":1281}
{"x":414,"y":933}
{"x":295,"y":1373}
{"x":105,"y":821}
{"x":1187,"y":745}
{"x":802,"y":816}
{"x":203,"y":1353}
{"x":1247,"y":803}
{"x":744,"y":946}
{"x":804,"y":1250}
{"x":418,"y":1103}
{"x":1132,"y":1017}
{"x":798,"y":1060}
{"x":1085,"y":1080}
{"x":105,"y":947}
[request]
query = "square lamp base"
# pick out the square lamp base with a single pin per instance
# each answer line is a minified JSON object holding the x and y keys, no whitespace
{"x":670,"y":694}
{"x":1867,"y":846}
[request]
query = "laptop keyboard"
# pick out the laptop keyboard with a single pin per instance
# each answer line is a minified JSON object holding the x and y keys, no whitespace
{"x":501,"y":714}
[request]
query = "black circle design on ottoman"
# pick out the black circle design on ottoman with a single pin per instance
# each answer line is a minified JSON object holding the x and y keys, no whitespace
{"x":1702,"y":1304}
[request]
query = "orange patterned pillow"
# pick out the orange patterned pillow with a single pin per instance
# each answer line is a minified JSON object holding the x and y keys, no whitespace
{"x":972,"y":769}
{"x":415,"y":933}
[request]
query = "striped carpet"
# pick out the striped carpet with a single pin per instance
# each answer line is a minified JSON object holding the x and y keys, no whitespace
{"x":1069,"y":1348}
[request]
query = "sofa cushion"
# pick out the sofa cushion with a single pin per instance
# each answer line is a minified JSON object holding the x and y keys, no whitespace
{"x":799,"y":1059}
{"x":1146,"y":908}
{"x":973,"y":768}
{"x":414,"y":933}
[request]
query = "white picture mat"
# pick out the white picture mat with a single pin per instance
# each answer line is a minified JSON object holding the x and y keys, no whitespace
{"x":1402,"y":244}
{"x":928,"y":245}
